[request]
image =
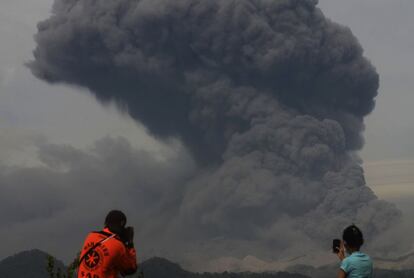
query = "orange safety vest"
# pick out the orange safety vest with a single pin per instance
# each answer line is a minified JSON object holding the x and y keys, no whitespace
{"x":108,"y":259}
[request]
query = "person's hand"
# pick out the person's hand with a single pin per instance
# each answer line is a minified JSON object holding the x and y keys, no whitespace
{"x":129,"y":234}
{"x":341,"y":253}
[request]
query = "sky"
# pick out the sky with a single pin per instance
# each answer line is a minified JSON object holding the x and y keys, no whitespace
{"x":34,"y":113}
{"x":383,"y":28}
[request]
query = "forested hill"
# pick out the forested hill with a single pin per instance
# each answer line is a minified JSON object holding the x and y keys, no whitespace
{"x":32,"y":264}
{"x":162,"y":268}
{"x":27,"y":264}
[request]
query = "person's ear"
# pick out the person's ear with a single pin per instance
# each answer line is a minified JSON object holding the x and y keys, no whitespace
{"x":345,"y":244}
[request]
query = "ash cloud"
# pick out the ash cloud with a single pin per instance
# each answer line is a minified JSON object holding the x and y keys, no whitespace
{"x":268,"y":96}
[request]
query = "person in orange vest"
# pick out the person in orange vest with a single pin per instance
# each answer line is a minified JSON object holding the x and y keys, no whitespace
{"x":110,"y":252}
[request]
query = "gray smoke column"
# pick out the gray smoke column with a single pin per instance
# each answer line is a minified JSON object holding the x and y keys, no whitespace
{"x":268,"y":95}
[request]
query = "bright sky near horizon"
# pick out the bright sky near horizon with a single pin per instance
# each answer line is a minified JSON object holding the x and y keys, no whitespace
{"x":32,"y":112}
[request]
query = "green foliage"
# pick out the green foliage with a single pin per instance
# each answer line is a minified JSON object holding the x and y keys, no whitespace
{"x":70,"y":270}
{"x":139,"y":274}
{"x":58,"y":273}
{"x":50,"y":266}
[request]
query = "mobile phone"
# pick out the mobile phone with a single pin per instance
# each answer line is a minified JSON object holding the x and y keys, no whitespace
{"x":336,"y":245}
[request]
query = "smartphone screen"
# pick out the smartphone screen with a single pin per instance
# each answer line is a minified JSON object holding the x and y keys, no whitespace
{"x":336,"y":244}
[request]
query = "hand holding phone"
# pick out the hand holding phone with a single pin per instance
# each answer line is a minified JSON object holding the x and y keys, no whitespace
{"x":336,"y":246}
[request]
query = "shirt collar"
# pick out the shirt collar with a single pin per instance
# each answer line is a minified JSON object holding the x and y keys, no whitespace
{"x":106,"y":230}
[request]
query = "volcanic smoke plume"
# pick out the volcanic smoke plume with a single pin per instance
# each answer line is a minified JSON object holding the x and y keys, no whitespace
{"x":269,"y":96}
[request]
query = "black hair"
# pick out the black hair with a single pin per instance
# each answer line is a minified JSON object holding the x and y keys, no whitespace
{"x":115,"y":221}
{"x":353,"y":237}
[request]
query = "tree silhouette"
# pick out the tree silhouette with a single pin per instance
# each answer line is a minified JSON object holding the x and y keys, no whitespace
{"x":58,"y":273}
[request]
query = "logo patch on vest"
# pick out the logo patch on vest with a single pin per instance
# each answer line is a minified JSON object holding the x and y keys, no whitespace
{"x":93,"y":259}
